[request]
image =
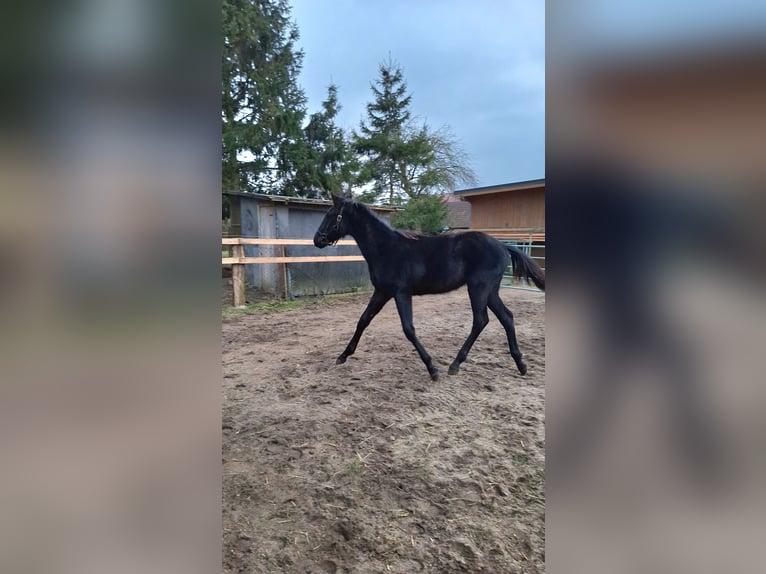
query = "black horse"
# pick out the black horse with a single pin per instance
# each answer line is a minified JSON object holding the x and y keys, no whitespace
{"x":404,"y":264}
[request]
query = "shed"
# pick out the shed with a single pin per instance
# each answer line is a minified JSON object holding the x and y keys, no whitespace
{"x":278,"y":217}
{"x":509,"y":207}
{"x":513,"y":212}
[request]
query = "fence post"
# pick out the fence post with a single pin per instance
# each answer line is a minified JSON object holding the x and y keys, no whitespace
{"x":238,"y":276}
{"x":282,"y":273}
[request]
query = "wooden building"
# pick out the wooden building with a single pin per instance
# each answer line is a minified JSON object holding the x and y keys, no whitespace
{"x":510,"y":209}
{"x":511,"y":212}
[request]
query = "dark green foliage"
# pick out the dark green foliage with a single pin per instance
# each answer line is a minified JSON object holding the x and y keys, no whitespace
{"x":267,"y":148}
{"x":262,"y":105}
{"x":323,"y":159}
{"x":426,"y":213}
{"x":400,"y":159}
{"x":381,"y":139}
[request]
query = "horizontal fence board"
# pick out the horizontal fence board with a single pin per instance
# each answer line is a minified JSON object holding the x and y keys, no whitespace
{"x":510,"y":229}
{"x":536,"y":234}
{"x":267,"y":241}
{"x":525,"y":238}
{"x":317,"y":259}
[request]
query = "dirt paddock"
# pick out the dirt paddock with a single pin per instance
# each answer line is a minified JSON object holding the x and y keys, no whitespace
{"x":370,"y":466}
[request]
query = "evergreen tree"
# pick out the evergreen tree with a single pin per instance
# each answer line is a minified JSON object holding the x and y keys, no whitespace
{"x":381,"y":139}
{"x":425,"y":213}
{"x":399,"y":158}
{"x":323,"y":159}
{"x":262,"y":105}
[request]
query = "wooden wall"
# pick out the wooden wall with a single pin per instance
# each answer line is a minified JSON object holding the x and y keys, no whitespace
{"x":524,"y":208}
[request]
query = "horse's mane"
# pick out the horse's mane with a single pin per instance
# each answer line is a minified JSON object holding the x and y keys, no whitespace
{"x":406,"y":233}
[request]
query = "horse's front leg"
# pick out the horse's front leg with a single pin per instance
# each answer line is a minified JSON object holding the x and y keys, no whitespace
{"x":377,"y":302}
{"x":404,"y":306}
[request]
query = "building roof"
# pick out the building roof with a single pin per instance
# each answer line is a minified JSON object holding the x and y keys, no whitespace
{"x":529,"y":184}
{"x":299,"y":200}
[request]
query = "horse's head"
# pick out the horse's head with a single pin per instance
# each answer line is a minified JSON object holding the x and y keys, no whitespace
{"x":335,"y":222}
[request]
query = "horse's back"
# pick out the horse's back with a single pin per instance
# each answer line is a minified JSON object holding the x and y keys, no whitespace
{"x":448,"y":262}
{"x":482,"y":252}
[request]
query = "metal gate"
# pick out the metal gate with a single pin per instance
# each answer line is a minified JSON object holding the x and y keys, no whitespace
{"x":536,"y":251}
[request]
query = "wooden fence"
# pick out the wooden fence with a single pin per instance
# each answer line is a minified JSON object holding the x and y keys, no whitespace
{"x":237,"y":260}
{"x":531,"y":235}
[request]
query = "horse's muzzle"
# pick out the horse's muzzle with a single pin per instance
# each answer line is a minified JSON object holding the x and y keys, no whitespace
{"x":320,"y":240}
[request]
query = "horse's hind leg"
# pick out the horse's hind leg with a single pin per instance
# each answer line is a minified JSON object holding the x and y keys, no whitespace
{"x":478,"y":293}
{"x":505,"y":317}
{"x":404,"y":306}
{"x":377,"y":302}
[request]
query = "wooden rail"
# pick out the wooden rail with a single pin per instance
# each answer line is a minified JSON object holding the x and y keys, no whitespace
{"x":262,"y":241}
{"x":531,"y":235}
{"x":281,"y":259}
{"x":238,"y":259}
{"x":524,"y":230}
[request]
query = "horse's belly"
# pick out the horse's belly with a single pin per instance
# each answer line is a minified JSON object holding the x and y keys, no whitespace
{"x":432,"y":288}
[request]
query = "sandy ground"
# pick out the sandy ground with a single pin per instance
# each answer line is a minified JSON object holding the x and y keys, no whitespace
{"x":370,"y":466}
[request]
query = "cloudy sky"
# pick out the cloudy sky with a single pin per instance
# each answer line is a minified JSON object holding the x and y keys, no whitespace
{"x":475,"y":65}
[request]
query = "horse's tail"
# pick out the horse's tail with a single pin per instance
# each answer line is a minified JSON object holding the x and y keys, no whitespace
{"x":525,"y":267}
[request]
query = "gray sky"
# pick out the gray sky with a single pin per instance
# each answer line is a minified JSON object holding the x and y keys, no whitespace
{"x":477,"y":66}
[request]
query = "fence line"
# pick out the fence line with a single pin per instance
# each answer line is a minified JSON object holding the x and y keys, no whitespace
{"x":289,"y":259}
{"x":524,"y":240}
{"x":529,"y":234}
{"x":267,"y":241}
{"x":525,"y":246}
{"x":238,"y":259}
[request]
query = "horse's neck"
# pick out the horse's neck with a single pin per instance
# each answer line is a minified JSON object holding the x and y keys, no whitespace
{"x":372,"y":236}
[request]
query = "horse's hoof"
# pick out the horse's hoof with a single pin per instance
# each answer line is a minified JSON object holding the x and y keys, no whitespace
{"x":453,"y":369}
{"x":522,"y":369}
{"x":340,"y":360}
{"x":435,"y":375}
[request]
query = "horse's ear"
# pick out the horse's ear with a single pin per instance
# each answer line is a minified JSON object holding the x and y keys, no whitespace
{"x":335,"y":199}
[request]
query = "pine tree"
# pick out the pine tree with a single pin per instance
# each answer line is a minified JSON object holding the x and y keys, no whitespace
{"x":324,"y":161}
{"x":426,"y":213}
{"x":381,"y":139}
{"x":262,"y":105}
{"x":399,"y":157}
